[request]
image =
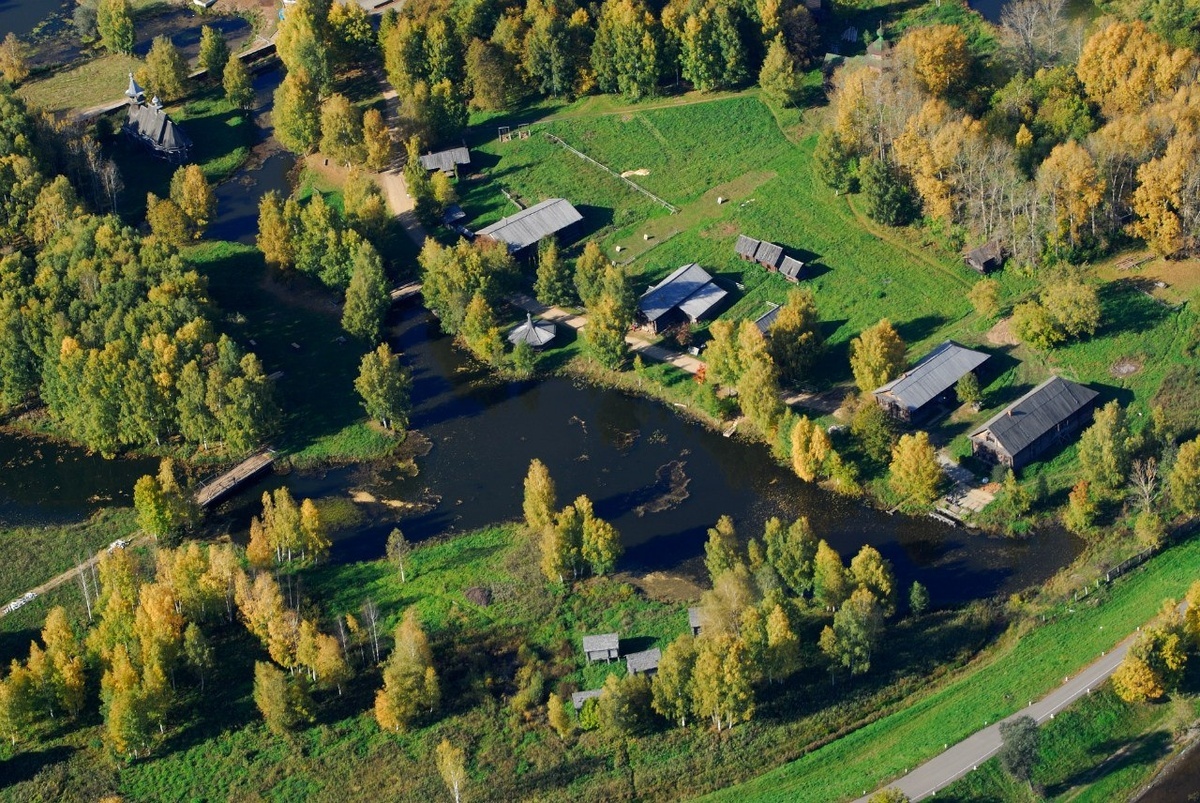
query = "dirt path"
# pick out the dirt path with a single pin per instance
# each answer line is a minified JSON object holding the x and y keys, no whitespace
{"x":68,"y":575}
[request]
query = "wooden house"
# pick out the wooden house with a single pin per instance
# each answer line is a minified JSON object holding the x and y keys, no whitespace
{"x":644,"y":662}
{"x":986,"y":258}
{"x":746,"y":247}
{"x":1045,"y":417}
{"x":446,"y":161}
{"x":930,"y":384}
{"x":524,"y":230}
{"x":790,"y":269}
{"x":687,"y":294}
{"x":581,"y":697}
{"x":604,"y":647}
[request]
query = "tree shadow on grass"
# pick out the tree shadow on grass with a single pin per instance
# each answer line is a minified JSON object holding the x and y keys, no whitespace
{"x":26,"y":764}
{"x":1126,"y":308}
{"x":1115,"y":756}
{"x":919,"y":328}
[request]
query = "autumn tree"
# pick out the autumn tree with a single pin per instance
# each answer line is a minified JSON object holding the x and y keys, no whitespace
{"x":626,"y":53}
{"x":855,"y":632}
{"x":869,"y":570}
{"x":914,"y":474}
{"x":1082,"y":509}
{"x":114,"y":22}
{"x":235,"y":80}
{"x":367,"y":298}
{"x":1104,"y":449}
{"x":14,"y":65}
{"x":604,"y":336}
{"x":810,"y":449}
{"x":985,"y":298}
{"x":830,"y":581}
{"x":274,"y":697}
{"x":377,"y":140}
{"x":168,"y":223}
{"x":191,"y":192}
{"x":758,"y":384}
{"x":967,"y":390}
{"x":796,"y":341}
{"x":1135,"y":682}
{"x":600,"y":543}
{"x":1071,"y":183}
{"x":398,"y":551}
{"x":410,"y":682}
{"x":1125,"y":67}
{"x":778,"y":77}
{"x":589,"y":273}
{"x":214,"y":52}
{"x":451,"y":764}
{"x":1033,"y":31}
{"x":791,"y":551}
{"x":553,"y":286}
{"x":341,"y":131}
{"x":889,"y":795}
{"x":165,"y":73}
{"x":782,"y":654}
{"x":539,"y":502}
{"x":1184,"y":481}
{"x":721,"y":549}
{"x":672,"y":688}
{"x":296,"y":113}
{"x":1165,"y":201}
{"x":876,"y":356}
{"x":384,"y":385}
{"x":937,"y":55}
{"x":480,"y":331}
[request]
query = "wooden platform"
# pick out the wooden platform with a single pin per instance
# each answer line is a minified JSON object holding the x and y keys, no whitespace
{"x":249,"y":468}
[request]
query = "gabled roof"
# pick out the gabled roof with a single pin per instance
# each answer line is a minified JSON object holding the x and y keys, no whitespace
{"x":769,"y":254}
{"x":790,"y":268}
{"x":530,"y":225}
{"x":446,"y":161}
{"x":937,"y":372}
{"x":581,"y":697}
{"x":1036,"y":413}
{"x":988,"y":255}
{"x":535,"y":333}
{"x":764,"y":321}
{"x":151,"y":123}
{"x":690,"y":288}
{"x":602,"y":642}
{"x":746,"y":246}
{"x":644,"y":661}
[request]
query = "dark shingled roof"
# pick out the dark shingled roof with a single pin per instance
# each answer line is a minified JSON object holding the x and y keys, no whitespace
{"x":151,"y":125}
{"x":690,"y":288}
{"x":446,"y":161}
{"x":769,"y":254}
{"x":530,"y":225}
{"x":580,"y":697}
{"x":746,"y":246}
{"x":605,"y":641}
{"x":790,"y":268}
{"x":986,"y":257}
{"x":535,"y":333}
{"x":936,"y":373}
{"x":764,"y":321}
{"x":1036,"y":413}
{"x":644,"y":661}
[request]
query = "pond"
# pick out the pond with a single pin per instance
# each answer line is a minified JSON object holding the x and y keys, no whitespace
{"x":23,"y":16}
{"x":988,"y":9}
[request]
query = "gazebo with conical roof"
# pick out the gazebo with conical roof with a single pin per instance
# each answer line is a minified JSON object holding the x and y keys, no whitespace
{"x":536,"y":333}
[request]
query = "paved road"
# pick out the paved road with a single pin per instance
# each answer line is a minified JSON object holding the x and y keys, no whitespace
{"x":945,"y":769}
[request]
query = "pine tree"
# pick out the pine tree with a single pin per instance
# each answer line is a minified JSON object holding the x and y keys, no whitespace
{"x":296,"y":114}
{"x":214,"y":53}
{"x":195,"y":198}
{"x":367,"y":298}
{"x":539,"y":502}
{"x":553,"y":285}
{"x":833,"y":162}
{"x":672,"y":687}
{"x":384,"y":385}
{"x":914,"y":474}
{"x":377,"y":139}
{"x":235,"y":79}
{"x":888,"y":195}
{"x":876,"y":356}
{"x":398,"y":550}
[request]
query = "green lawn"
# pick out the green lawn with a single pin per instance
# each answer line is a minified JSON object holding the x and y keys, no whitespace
{"x":1023,"y":670}
{"x":92,"y":83}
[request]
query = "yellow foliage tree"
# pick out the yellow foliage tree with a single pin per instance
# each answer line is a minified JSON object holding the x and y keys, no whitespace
{"x":1135,"y":682}
{"x":914,"y":473}
{"x":1069,"y":180}
{"x":1165,"y":199}
{"x":937,"y":55}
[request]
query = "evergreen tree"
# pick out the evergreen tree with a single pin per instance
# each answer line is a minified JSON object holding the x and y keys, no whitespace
{"x":235,"y":79}
{"x":367,"y":297}
{"x":214,"y":52}
{"x":553,"y":285}
{"x":384,"y":386}
{"x":833,"y":162}
{"x":296,"y":113}
{"x":626,"y":51}
{"x":876,"y":356}
{"x":888,"y":195}
{"x":918,"y":599}
{"x":540,"y":495}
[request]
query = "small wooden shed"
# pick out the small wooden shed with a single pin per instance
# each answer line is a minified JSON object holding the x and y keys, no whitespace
{"x":604,"y":647}
{"x":986,"y":258}
{"x":694,"y":620}
{"x":644,"y":662}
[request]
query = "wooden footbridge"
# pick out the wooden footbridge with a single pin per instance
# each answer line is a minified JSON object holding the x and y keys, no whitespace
{"x":405,"y":291}
{"x":249,"y":468}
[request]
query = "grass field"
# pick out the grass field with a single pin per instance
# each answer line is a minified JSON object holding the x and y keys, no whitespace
{"x":92,"y":83}
{"x":323,"y":420}
{"x":1022,"y":669}
{"x":1100,"y":749}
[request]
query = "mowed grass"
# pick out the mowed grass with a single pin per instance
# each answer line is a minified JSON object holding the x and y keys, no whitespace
{"x":1100,"y":749}
{"x":1024,"y":670}
{"x":92,"y":83}
{"x":267,"y":314}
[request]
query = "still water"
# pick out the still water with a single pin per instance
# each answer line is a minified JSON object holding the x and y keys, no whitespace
{"x":22,"y":16}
